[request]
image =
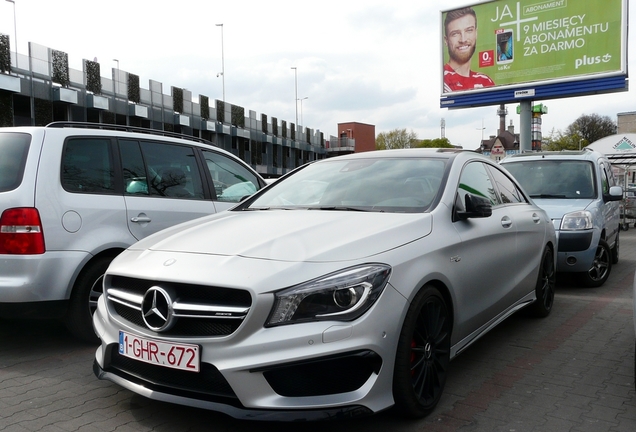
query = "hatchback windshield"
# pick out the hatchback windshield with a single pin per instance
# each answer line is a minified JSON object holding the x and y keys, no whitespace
{"x":390,"y":185}
{"x":555,"y":178}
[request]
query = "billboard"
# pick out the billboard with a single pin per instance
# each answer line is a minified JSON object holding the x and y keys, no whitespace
{"x":518,"y":44}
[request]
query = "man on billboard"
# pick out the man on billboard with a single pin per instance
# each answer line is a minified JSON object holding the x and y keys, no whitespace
{"x":460,"y":37}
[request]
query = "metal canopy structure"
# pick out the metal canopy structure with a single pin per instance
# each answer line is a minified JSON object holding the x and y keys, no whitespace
{"x":620,"y":149}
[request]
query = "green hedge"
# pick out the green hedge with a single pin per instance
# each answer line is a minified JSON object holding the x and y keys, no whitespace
{"x":177,"y":100}
{"x":238,"y":116}
{"x":204,"y":102}
{"x":60,"y":68}
{"x":134,"y":94}
{"x":93,"y":77}
{"x":5,"y":54}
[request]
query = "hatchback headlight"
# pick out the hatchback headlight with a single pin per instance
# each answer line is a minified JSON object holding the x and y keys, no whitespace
{"x":343,"y":296}
{"x":578,"y":220}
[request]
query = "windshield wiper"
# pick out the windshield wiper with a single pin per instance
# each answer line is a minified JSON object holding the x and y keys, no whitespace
{"x":547,"y":196}
{"x":340,"y":208}
{"x":272,"y":208}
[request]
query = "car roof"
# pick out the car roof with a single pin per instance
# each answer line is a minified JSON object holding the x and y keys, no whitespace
{"x":140,"y":133}
{"x":80,"y":128}
{"x":584,"y":154}
{"x":442,"y":153}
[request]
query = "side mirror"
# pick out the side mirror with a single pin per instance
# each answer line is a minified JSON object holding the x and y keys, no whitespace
{"x":615,"y":194}
{"x":475,"y":207}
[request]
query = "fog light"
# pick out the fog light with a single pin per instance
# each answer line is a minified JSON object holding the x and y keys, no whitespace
{"x":570,"y":260}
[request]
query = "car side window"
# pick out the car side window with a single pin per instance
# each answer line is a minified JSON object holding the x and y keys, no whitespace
{"x":171,"y":171}
{"x":476,"y":181}
{"x":607,"y":178}
{"x":232,"y":181}
{"x":508,"y":191}
{"x":134,"y":170}
{"x":87,"y":166}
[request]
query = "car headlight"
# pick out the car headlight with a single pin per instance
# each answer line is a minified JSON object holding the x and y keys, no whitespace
{"x":578,"y":220}
{"x":343,"y":296}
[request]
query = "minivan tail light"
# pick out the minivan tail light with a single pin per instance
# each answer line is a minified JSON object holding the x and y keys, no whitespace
{"x":21,"y":232}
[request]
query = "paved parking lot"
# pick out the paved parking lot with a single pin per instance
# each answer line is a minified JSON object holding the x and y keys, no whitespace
{"x":573,"y":371}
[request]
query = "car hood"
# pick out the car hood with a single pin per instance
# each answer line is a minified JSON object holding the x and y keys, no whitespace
{"x":556,"y":208}
{"x":292,"y":235}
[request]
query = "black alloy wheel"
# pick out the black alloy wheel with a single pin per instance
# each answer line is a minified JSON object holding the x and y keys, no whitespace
{"x":601,"y":266}
{"x":423,"y":354}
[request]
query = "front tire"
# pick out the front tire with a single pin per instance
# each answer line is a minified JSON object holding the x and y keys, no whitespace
{"x":423,"y":354}
{"x":546,"y":284}
{"x":86,"y":291}
{"x":601,"y":267}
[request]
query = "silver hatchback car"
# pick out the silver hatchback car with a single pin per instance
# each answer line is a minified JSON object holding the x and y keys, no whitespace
{"x":342,"y":289}
{"x":73,"y":196}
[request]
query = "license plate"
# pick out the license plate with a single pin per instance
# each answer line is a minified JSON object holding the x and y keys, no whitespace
{"x":177,"y":356}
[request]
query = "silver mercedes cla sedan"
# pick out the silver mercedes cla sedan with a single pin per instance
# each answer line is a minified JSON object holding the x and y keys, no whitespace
{"x":342,"y":289}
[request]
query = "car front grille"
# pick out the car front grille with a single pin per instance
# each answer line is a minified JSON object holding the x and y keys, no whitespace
{"x":199,"y":310}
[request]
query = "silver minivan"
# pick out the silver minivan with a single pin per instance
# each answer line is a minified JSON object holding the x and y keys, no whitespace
{"x":579,"y":192}
{"x":73,"y":196}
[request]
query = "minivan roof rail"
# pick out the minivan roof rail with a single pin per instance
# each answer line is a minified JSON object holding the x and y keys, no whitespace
{"x":124,"y":128}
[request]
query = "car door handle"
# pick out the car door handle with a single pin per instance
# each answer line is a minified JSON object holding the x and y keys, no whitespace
{"x":141,"y":219}
{"x":535,"y":218}
{"x":506,"y":222}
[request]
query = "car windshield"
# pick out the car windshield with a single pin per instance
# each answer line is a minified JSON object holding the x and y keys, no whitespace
{"x":404,"y":185}
{"x":555,"y":178}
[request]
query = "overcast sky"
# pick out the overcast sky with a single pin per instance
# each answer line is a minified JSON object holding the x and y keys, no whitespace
{"x":370,"y":61}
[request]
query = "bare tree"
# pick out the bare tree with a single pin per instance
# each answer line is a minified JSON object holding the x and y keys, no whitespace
{"x":583,"y":131}
{"x":592,"y":127}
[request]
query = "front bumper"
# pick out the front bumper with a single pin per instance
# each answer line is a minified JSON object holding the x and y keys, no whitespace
{"x":576,"y":250}
{"x":311,"y":371}
{"x":229,"y":407}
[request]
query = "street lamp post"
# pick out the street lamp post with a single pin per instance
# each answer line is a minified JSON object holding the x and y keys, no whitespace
{"x":482,"y":132}
{"x":296,"y":85}
{"x":222,"y":73}
{"x":301,"y":108}
{"x":15,"y":33}
{"x":116,"y":77}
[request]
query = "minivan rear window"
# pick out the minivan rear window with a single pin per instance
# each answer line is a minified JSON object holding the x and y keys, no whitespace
{"x":14,"y":148}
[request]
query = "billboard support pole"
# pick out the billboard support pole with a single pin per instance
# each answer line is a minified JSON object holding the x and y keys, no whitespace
{"x":525,"y":119}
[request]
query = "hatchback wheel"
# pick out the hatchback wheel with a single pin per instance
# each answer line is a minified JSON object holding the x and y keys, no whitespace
{"x":423,"y":354}
{"x":601,"y":266}
{"x":86,"y":291}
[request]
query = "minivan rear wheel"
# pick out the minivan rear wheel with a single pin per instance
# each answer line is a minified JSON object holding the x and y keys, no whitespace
{"x":601,"y":267}
{"x":86,"y":291}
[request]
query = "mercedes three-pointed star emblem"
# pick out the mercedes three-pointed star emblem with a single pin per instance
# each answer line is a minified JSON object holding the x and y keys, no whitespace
{"x":156,"y":309}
